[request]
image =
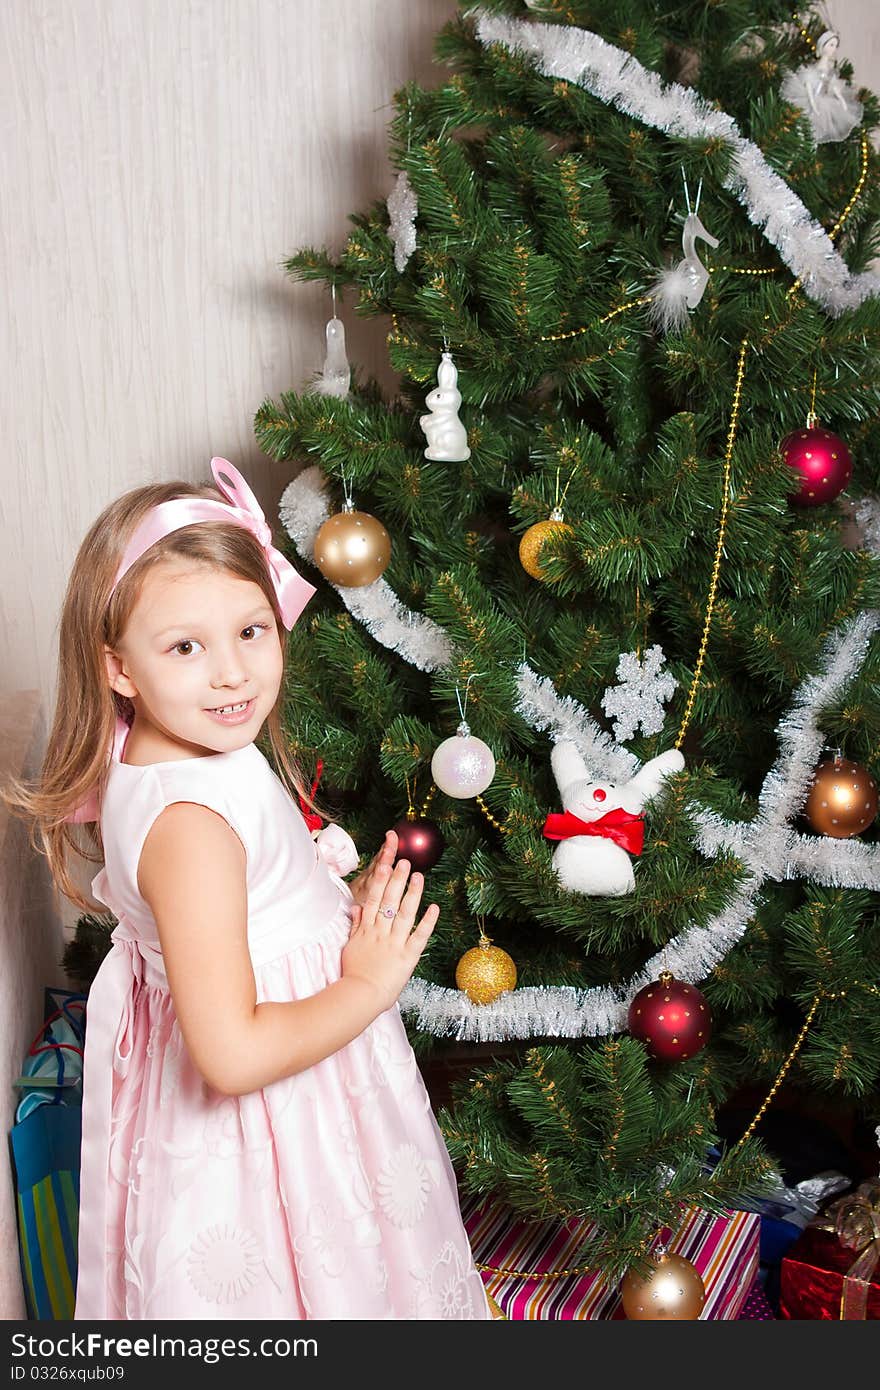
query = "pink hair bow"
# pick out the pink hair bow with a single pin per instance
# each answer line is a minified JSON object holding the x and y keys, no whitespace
{"x":242,"y":508}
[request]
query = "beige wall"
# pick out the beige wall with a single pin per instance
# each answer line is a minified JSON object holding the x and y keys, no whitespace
{"x":159,"y":158}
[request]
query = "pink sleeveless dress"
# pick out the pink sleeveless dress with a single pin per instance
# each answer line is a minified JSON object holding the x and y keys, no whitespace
{"x":329,"y":1194}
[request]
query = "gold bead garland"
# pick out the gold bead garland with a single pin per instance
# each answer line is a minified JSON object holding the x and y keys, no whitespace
{"x":606,"y":318}
{"x":798,"y":1043}
{"x":806,"y":36}
{"x":719,"y":548}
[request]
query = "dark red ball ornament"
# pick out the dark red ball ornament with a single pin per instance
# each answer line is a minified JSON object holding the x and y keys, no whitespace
{"x":671,"y":1018}
{"x":419,"y":840}
{"x":822,"y":462}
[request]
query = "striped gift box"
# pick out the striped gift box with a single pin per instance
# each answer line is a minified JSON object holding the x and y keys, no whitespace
{"x":724,"y":1249}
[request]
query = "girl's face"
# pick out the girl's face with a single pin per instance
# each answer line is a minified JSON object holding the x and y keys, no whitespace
{"x":198,"y":639}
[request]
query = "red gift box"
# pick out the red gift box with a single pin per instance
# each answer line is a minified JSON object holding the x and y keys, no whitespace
{"x":812,"y":1278}
{"x":723,"y":1249}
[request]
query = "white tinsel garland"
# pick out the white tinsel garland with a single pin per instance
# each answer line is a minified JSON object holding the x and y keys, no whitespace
{"x":619,"y":79}
{"x":868,"y":517}
{"x":767,"y":847}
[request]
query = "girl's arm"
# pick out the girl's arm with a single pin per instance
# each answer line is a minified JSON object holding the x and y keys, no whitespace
{"x":192,"y":873}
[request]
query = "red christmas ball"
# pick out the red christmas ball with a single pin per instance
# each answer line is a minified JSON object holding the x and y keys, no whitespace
{"x":419,"y":840}
{"x":671,"y":1018}
{"x":822,"y":462}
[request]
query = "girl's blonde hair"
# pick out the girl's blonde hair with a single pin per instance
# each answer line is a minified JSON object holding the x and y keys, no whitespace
{"x":94,"y":615}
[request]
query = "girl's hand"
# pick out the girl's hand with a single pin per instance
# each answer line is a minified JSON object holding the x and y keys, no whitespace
{"x":360,"y":886}
{"x":385,"y":944}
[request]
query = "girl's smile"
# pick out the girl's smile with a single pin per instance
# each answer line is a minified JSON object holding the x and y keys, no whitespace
{"x":234,"y":714}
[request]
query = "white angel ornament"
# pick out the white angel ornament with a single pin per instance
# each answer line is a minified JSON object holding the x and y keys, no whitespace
{"x":825,"y":99}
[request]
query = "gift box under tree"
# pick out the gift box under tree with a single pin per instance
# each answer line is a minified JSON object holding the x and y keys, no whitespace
{"x":833,"y":1271}
{"x":723,"y":1249}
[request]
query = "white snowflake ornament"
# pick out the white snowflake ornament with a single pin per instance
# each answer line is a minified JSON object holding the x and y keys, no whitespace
{"x":639,"y":698}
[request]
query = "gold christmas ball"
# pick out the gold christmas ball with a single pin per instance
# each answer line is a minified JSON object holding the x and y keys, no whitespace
{"x":533,"y":539}
{"x":842,"y":800}
{"x":352,"y":549}
{"x":671,"y":1290}
{"x":484,"y":972}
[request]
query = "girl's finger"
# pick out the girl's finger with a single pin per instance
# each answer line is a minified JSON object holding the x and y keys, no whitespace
{"x":392,"y":886}
{"x":421,"y":934}
{"x":409,"y":903}
{"x":375,"y":888}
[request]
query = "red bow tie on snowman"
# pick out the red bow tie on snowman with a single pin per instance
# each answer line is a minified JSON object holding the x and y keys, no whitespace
{"x":618,"y":825}
{"x":601,"y":824}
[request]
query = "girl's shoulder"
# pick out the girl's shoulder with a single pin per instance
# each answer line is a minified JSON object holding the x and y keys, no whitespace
{"x":135,"y":793}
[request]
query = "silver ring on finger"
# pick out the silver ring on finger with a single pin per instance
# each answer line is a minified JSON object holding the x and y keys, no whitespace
{"x":388,"y":912}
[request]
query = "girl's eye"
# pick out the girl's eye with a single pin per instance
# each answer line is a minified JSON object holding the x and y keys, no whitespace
{"x":255,"y":628}
{"x":188,"y":642}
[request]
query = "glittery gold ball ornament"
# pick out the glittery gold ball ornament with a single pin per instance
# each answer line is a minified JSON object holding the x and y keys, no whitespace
{"x":352,"y":548}
{"x":842,"y":800}
{"x":672,"y":1290}
{"x":485,"y":971}
{"x":533,"y":539}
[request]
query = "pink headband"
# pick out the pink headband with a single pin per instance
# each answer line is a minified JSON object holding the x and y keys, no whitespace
{"x":242,"y":509}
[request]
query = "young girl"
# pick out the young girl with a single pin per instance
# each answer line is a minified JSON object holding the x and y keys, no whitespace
{"x":257,"y":1138}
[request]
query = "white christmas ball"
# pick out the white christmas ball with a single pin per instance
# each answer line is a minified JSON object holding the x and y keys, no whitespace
{"x":463,"y":765}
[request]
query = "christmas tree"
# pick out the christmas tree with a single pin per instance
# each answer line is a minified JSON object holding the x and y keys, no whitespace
{"x":627,"y":259}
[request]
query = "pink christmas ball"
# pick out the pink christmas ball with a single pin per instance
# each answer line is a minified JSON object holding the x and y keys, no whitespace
{"x":463,"y":766}
{"x":822,"y":462}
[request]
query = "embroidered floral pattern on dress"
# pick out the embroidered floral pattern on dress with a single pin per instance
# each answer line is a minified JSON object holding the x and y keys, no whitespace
{"x":446,"y":1291}
{"x":223,"y":1134}
{"x":224,"y":1264}
{"x":403,"y":1186}
{"x":141,"y":1166}
{"x":319,"y":1247}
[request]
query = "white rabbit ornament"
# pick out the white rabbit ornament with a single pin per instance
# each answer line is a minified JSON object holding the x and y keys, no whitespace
{"x":602,"y":823}
{"x":446,"y":435}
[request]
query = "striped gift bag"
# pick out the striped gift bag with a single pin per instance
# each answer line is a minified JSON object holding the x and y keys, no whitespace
{"x":724,"y":1250}
{"x":45,"y":1150}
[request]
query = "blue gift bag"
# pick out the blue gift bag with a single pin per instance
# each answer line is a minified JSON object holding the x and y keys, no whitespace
{"x":45,"y":1149}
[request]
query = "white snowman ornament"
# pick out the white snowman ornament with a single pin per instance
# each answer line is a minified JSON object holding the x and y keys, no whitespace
{"x":596,"y":860}
{"x":446,"y":435}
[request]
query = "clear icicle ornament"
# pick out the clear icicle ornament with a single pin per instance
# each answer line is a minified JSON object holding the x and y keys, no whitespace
{"x":334,"y":377}
{"x":403,"y":208}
